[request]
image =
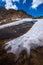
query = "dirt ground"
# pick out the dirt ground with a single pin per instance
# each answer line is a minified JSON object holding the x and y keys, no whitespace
{"x":36,"y":57}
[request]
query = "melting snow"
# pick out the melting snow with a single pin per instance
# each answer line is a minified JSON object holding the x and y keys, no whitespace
{"x":16,"y":23}
{"x":30,"y":40}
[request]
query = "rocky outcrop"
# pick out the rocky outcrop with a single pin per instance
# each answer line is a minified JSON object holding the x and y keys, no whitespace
{"x":11,"y":15}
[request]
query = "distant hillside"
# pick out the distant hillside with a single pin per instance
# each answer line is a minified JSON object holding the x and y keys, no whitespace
{"x":12,"y":13}
{"x":18,"y":13}
{"x":41,"y":17}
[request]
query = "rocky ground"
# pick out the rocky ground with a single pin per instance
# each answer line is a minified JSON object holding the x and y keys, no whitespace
{"x":36,"y":56}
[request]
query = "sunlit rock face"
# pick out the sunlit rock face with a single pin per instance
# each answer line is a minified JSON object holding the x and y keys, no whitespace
{"x":30,"y":40}
{"x":7,"y":17}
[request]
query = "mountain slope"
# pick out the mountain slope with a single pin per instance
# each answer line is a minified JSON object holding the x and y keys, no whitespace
{"x":11,"y":15}
{"x":5,"y":13}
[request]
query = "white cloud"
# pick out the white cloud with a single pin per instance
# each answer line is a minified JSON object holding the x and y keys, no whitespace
{"x":11,"y":7}
{"x":9,"y":4}
{"x":3,"y":0}
{"x":36,"y":3}
{"x":15,"y":0}
{"x":24,"y":1}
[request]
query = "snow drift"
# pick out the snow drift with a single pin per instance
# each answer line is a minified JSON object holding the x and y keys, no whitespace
{"x":30,"y":40}
{"x":16,"y":23}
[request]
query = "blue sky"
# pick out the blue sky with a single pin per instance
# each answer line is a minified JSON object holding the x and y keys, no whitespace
{"x":32,"y":7}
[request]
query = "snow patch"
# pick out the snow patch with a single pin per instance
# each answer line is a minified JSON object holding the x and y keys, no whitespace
{"x":30,"y":40}
{"x":16,"y":23}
